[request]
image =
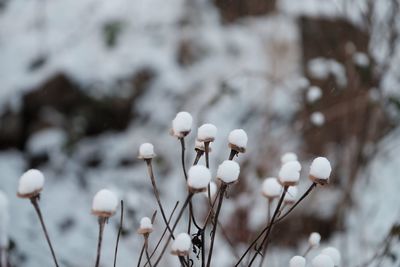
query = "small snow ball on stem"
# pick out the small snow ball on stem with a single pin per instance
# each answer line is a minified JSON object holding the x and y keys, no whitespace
{"x":30,"y":184}
{"x":146,"y":151}
{"x":238,"y":140}
{"x":105,"y":203}
{"x":271,"y":188}
{"x":289,"y":156}
{"x":320,"y":170}
{"x":207,"y":133}
{"x":289,"y":173}
{"x":146,"y":227}
{"x":199,"y":146}
{"x":182,"y":124}
{"x":333,"y":253}
{"x":297,"y":261}
{"x":314,"y":239}
{"x":181,"y":245}
{"x":317,"y":118}
{"x":291,"y":195}
{"x":199,"y":178}
{"x":228,"y":172}
{"x":322,"y":261}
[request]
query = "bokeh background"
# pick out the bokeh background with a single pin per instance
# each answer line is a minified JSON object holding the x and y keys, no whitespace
{"x":84,"y":82}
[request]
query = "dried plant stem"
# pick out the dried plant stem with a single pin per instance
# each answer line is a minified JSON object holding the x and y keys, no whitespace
{"x":34,"y":201}
{"x":268,"y":221}
{"x":232,"y":154}
{"x":182,"y":261}
{"x":188,"y":198}
{"x":141,"y":255}
{"x":264,"y":242}
{"x":213,"y":233}
{"x":157,"y":194}
{"x":146,"y":248}
{"x":119,"y":233}
{"x":183,"y":156}
{"x":164,"y":232}
{"x":307,"y":250}
{"x":102,"y":222}
{"x":199,"y":154}
{"x":206,"y":150}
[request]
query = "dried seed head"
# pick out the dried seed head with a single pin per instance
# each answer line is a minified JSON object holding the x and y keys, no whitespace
{"x":238,"y":140}
{"x":320,"y":170}
{"x":271,"y":188}
{"x":181,"y":245}
{"x":105,"y":203}
{"x":314,"y":239}
{"x":200,"y":146}
{"x":30,"y":184}
{"x":297,"y":261}
{"x":206,"y":133}
{"x":199,"y":177}
{"x":146,"y":227}
{"x":182,"y":124}
{"x":146,"y":151}
{"x":289,"y":173}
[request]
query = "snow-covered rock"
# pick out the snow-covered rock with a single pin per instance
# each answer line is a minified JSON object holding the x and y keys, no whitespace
{"x":207,"y":132}
{"x":181,"y":245}
{"x":30,"y":183}
{"x":199,"y":177}
{"x":182,"y":124}
{"x":271,"y":188}
{"x":320,"y":170}
{"x":105,"y":203}
{"x":228,"y":171}
{"x":238,"y":140}
{"x":146,"y":151}
{"x":297,"y":261}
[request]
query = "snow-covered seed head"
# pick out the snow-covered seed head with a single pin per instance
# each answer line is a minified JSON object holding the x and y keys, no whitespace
{"x":228,"y":171}
{"x":291,"y":195}
{"x":198,"y":178}
{"x":199,"y":146}
{"x":320,"y":170}
{"x":30,"y":184}
{"x":181,"y":245}
{"x":322,"y":261}
{"x":146,"y":227}
{"x":207,"y":132}
{"x":105,"y":203}
{"x":213,"y":190}
{"x":314,"y":93}
{"x":289,"y":156}
{"x":146,"y":151}
{"x":182,"y":124}
{"x":4,"y":220}
{"x":271,"y":188}
{"x":317,"y":118}
{"x":238,"y":140}
{"x":289,"y":173}
{"x":334,"y":254}
{"x":314,"y":239}
{"x":297,"y":261}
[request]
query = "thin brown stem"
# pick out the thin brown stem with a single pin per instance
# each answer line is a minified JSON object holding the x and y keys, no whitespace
{"x":34,"y":201}
{"x":146,"y":249}
{"x":207,"y":152}
{"x":199,"y":154}
{"x":102,"y":222}
{"x":183,"y":156}
{"x":119,"y":233}
{"x":264,"y":242}
{"x":141,"y":255}
{"x":307,"y":250}
{"x":157,"y":194}
{"x":232,"y":154}
{"x":214,"y":230}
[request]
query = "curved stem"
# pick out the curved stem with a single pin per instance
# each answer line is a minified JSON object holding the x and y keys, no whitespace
{"x":206,"y":148}
{"x":146,"y":249}
{"x":102,"y":222}
{"x":119,"y":233}
{"x":141,"y":255}
{"x":35,"y":204}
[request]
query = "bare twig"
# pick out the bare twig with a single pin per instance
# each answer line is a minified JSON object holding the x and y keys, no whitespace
{"x":119,"y":233}
{"x":34,"y":201}
{"x":102,"y":222}
{"x":141,"y":254}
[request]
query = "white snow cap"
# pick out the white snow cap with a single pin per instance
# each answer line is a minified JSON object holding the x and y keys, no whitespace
{"x":213,"y":190}
{"x":238,"y":140}
{"x":105,"y":203}
{"x":30,"y":183}
{"x":228,"y":171}
{"x":4,"y":220}
{"x":181,"y":245}
{"x":290,"y":173}
{"x":314,"y":93}
{"x":334,"y":254}
{"x":317,"y":118}
{"x":322,"y":261}
{"x":199,"y":177}
{"x":271,"y":188}
{"x":145,"y":222}
{"x":146,"y":151}
{"x":297,"y":261}
{"x":321,"y":168}
{"x":207,"y":132}
{"x":289,"y":156}
{"x":291,"y":195}
{"x":314,"y":239}
{"x":182,"y":124}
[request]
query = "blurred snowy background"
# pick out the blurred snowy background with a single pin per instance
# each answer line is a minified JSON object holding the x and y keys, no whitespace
{"x":84,"y":82}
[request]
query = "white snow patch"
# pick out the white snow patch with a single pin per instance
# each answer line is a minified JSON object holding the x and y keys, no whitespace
{"x":105,"y":201}
{"x":289,"y":156}
{"x":290,"y":172}
{"x":238,"y":137}
{"x":30,"y":182}
{"x":199,"y":177}
{"x":228,"y":171}
{"x":314,"y":93}
{"x":207,"y":132}
{"x":182,"y":123}
{"x":334,"y":254}
{"x":182,"y":243}
{"x":322,"y":261}
{"x":321,"y":168}
{"x":314,"y":239}
{"x":146,"y":151}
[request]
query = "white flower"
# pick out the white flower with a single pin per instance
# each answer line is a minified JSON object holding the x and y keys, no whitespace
{"x":238,"y":140}
{"x":228,"y":171}
{"x":30,"y":184}
{"x":297,"y":261}
{"x":4,"y":220}
{"x":289,"y":156}
{"x":207,"y":133}
{"x":146,"y":151}
{"x":105,"y":203}
{"x":271,"y":188}
{"x":333,"y":253}
{"x":322,"y":261}
{"x":198,"y":178}
{"x":289,"y":173}
{"x":181,"y":245}
{"x":182,"y":124}
{"x":291,"y":195}
{"x":314,"y":239}
{"x":317,"y":118}
{"x":320,"y":170}
{"x":146,"y":226}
